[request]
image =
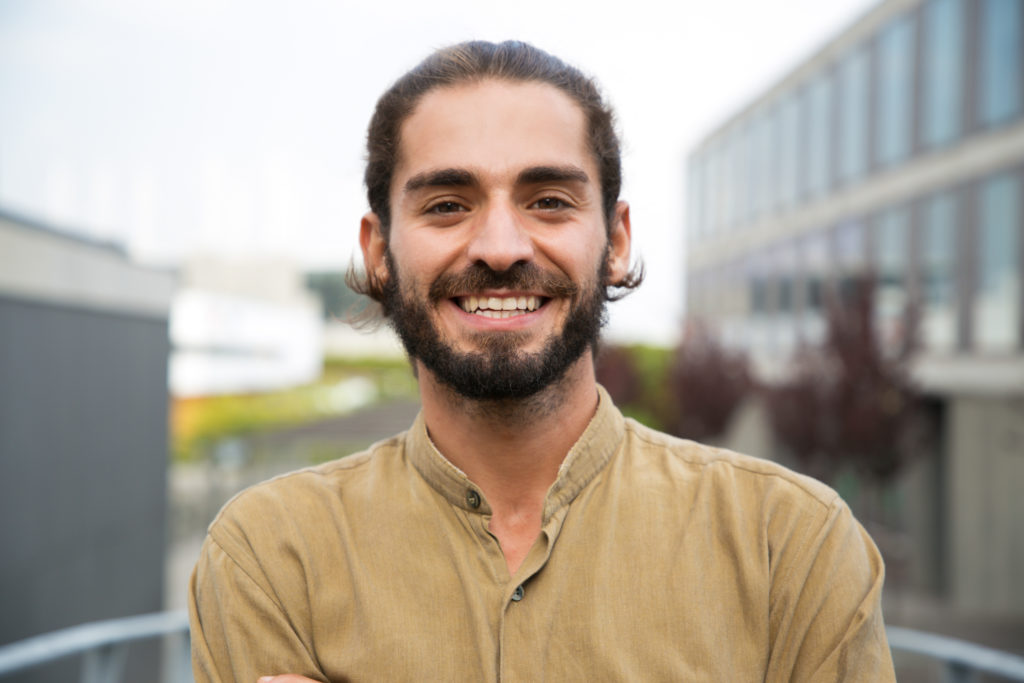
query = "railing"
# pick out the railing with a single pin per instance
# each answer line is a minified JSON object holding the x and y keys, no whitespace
{"x":962,"y":659}
{"x":104,"y":645}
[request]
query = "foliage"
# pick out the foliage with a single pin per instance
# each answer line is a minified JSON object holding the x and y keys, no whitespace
{"x":706,"y":384}
{"x":343,"y":386}
{"x":635,"y":378}
{"x":690,"y":391}
{"x":850,"y":403}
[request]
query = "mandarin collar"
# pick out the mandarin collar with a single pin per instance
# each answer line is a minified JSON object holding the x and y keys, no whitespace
{"x":585,"y":459}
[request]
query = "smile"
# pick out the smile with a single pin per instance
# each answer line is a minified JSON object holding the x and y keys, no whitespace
{"x":499,"y":306}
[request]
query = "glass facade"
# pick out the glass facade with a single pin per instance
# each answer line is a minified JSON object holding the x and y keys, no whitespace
{"x":1000,"y":58}
{"x":932,"y":78}
{"x":939,"y":240}
{"x":819,"y":137}
{"x":853,"y":116}
{"x":764,"y":188}
{"x":891,"y":245}
{"x":894,"y":110}
{"x":789,"y":150}
{"x":815,"y":263}
{"x":996,"y":319}
{"x":942,"y":67}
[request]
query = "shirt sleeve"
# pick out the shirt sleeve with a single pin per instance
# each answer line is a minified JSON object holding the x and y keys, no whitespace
{"x":239,"y":629}
{"x":826,"y":615}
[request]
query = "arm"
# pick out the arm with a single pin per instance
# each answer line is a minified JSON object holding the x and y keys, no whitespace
{"x":240,"y":631}
{"x":825,"y":611}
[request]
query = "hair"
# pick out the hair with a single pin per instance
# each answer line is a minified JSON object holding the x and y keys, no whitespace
{"x":472,"y":62}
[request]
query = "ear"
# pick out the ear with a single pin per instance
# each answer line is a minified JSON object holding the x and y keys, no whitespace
{"x":374,"y":246}
{"x":619,"y":241}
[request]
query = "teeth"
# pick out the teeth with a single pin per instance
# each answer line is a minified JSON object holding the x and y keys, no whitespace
{"x":499,"y":307}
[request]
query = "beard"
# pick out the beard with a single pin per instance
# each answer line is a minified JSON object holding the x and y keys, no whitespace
{"x":499,"y":370}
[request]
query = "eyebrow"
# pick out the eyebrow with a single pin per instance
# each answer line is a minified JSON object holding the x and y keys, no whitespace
{"x":457,"y":177}
{"x":553,"y":174}
{"x":446,"y":177}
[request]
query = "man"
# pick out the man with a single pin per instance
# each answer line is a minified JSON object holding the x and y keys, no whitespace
{"x":522,"y":529}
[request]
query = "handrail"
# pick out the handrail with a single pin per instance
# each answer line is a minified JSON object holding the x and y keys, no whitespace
{"x":960,"y":655}
{"x":86,"y":638}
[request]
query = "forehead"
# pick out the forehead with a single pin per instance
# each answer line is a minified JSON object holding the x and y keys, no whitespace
{"x":493,"y":127}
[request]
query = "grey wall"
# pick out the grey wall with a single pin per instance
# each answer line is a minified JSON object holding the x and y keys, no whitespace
{"x":83,"y":461}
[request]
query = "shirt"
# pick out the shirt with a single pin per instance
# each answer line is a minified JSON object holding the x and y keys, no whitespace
{"x":659,"y":559}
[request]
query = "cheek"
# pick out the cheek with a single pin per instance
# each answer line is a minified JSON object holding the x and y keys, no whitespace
{"x":579,"y":257}
{"x":422,"y":255}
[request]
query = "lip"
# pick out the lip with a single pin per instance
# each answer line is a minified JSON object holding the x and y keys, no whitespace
{"x":484,"y":323}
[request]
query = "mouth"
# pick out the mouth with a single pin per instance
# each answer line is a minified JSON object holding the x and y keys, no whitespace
{"x":499,"y":306}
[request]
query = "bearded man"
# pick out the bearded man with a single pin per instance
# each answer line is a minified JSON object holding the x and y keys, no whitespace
{"x":522,"y":529}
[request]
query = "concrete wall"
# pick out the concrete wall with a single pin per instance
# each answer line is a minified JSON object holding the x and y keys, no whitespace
{"x":986,"y":501}
{"x":83,"y":438}
{"x":960,"y":527}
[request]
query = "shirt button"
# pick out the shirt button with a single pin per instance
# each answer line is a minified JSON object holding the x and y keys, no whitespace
{"x":473,"y":499}
{"x":517,"y":594}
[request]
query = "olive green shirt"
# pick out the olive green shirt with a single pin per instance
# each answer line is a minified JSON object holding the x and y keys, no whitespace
{"x":659,"y":560}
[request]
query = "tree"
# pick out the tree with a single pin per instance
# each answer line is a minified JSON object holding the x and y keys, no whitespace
{"x":706,"y":385}
{"x":851,"y":402}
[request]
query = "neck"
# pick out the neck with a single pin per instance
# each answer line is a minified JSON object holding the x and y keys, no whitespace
{"x":511,"y":449}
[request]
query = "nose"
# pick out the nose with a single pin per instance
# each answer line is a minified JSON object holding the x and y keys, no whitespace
{"x":500,"y":240}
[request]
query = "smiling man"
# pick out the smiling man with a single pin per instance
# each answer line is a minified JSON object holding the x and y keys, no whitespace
{"x":522,"y":529}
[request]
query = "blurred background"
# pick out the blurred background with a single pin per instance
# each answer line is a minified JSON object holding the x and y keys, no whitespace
{"x":827,"y":198}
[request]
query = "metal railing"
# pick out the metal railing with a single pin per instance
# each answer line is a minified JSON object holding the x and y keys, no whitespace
{"x":104,"y":646}
{"x":963,"y":659}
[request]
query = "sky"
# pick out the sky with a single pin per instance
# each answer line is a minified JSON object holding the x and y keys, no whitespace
{"x":237,"y":127}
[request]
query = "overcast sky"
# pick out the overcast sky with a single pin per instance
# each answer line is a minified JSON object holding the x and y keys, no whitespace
{"x":175,"y":126}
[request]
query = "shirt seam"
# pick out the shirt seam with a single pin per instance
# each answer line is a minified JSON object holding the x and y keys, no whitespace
{"x":277,"y":605}
{"x":825,"y":502}
{"x":249,"y":576}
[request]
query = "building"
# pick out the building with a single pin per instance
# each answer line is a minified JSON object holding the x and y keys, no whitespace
{"x":83,"y":436}
{"x":896,"y":149}
{"x":243,"y":325}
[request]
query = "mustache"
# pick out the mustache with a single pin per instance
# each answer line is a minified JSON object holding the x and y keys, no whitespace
{"x":521,"y":276}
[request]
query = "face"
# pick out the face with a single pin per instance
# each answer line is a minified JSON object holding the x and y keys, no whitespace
{"x":498,"y":249}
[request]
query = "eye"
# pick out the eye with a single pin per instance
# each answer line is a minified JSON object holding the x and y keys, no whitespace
{"x":550,"y":204}
{"x":446,"y":207}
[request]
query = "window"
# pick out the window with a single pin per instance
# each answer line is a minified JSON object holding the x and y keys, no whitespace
{"x":891,"y":246}
{"x":697,"y":229}
{"x":942,"y":77}
{"x":938,"y":271}
{"x":746,"y":172}
{"x":802,"y":147}
{"x":997,"y":299}
{"x":999,"y":60}
{"x":819,"y":136}
{"x":713,"y":189}
{"x":789,"y":150}
{"x":895,"y":92}
{"x":767,"y":173}
{"x":762,"y":301}
{"x":850,"y":265}
{"x":728,"y":179}
{"x":853,"y":116}
{"x":815,"y":265}
{"x":784,"y":334}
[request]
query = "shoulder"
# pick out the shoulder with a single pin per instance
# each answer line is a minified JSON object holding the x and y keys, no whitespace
{"x":726,"y":473}
{"x":303,"y":497}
